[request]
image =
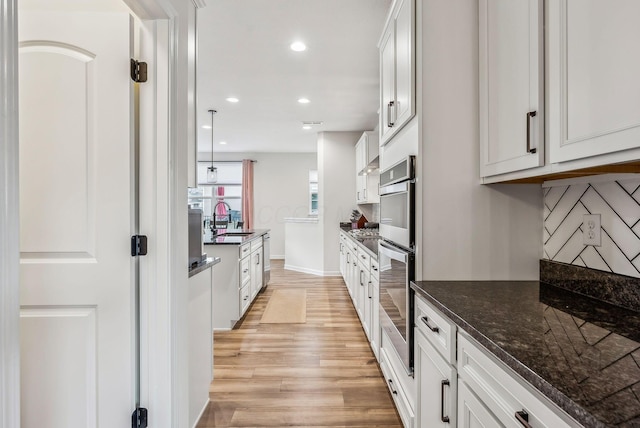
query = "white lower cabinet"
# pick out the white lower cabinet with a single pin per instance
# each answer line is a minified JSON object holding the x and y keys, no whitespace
{"x":360,"y":273}
{"x":471,"y":412}
{"x":437,"y":386}
{"x":503,"y":392}
{"x":460,"y":383}
{"x":399,"y":391}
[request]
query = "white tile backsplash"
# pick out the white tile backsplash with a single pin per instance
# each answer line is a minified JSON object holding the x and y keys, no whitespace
{"x":618,"y":203}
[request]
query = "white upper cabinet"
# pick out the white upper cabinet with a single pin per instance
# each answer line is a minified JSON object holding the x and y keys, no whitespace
{"x":397,"y":70}
{"x":593,"y":83}
{"x":511,"y":85}
{"x":367,"y":178}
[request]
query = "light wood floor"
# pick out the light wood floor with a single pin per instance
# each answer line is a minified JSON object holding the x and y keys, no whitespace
{"x":318,"y":374}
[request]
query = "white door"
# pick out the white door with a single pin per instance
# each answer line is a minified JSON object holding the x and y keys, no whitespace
{"x":594,"y":90}
{"x":511,"y":85}
{"x":77,"y":322}
{"x":471,"y":411}
{"x":437,"y":386}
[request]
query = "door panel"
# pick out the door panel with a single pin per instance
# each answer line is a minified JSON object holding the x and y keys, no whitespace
{"x":76,"y":204}
{"x":62,"y":135}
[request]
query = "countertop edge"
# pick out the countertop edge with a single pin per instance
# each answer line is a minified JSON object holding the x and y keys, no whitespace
{"x":255,"y":234}
{"x":210,"y":262}
{"x":557,"y":397}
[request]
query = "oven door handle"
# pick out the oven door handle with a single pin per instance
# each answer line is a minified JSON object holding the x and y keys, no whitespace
{"x":392,"y":252}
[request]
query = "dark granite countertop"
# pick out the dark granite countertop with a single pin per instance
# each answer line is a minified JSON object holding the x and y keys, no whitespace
{"x":231,"y":237}
{"x":582,"y":353}
{"x":369,"y":243}
{"x":209,"y":262}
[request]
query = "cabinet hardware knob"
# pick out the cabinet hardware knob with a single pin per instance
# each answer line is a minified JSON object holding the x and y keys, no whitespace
{"x":426,"y":321}
{"x":443,"y":418}
{"x":523,"y":417}
{"x":529,"y":148}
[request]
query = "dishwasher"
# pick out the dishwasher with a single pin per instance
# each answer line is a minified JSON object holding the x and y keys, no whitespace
{"x":266,"y":263}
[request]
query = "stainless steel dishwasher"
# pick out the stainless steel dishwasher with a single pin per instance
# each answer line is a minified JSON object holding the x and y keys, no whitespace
{"x":266,"y":255}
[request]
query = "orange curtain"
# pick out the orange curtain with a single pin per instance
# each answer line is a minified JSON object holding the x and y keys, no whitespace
{"x":247,"y":193}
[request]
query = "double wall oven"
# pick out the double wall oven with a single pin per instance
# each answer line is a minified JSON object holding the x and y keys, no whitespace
{"x":396,"y":256}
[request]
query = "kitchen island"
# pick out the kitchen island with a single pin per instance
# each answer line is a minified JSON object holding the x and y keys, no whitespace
{"x":578,"y":354}
{"x":240,"y":275}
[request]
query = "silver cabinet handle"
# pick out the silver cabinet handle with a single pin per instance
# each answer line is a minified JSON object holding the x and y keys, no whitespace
{"x":529,"y":148}
{"x":523,"y":417}
{"x":369,"y":290}
{"x":443,"y":418}
{"x":389,"y":108}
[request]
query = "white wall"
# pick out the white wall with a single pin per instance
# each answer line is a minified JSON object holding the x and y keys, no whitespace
{"x":336,"y":190}
{"x":469,"y":230}
{"x":281,"y":189}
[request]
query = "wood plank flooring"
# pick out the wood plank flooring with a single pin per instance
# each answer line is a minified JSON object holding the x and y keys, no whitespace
{"x":318,"y":374}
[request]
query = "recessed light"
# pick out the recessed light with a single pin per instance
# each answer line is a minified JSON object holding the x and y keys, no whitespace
{"x":206,"y":126}
{"x":233,"y":99}
{"x":306,"y":126}
{"x":223,"y":142}
{"x":303,"y":101}
{"x":298,"y":46}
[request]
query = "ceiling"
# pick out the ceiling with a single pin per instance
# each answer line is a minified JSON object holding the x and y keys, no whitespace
{"x":243,"y":52}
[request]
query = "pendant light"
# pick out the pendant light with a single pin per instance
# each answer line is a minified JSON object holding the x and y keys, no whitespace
{"x":212,"y":171}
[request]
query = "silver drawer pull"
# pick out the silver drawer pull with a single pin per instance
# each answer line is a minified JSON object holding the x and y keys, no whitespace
{"x":425,"y":320}
{"x":523,"y":417}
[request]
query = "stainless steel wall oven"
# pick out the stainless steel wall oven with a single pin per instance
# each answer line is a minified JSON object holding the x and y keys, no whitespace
{"x":396,"y":256}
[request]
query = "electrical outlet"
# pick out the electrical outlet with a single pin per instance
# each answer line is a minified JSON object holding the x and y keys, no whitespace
{"x":591,"y":229}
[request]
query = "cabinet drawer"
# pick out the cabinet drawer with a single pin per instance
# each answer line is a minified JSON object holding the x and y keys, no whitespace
{"x":397,"y":393}
{"x":245,"y":298}
{"x":255,"y":244}
{"x":504,"y":392}
{"x":436,"y":328}
{"x":245,"y":249}
{"x":373,"y":268}
{"x":245,"y":271}
{"x":364,"y":258}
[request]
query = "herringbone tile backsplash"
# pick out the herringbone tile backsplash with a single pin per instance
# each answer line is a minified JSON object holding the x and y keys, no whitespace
{"x":617,"y":202}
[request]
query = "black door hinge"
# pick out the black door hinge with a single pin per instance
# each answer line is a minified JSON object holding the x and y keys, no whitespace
{"x":139,"y":245}
{"x":138,"y":71}
{"x":139,"y":418}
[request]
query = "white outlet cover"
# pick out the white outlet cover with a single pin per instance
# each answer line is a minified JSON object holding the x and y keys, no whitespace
{"x":591,"y":230}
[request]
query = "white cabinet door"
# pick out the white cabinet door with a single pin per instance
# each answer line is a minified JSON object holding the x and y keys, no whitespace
{"x":471,"y":411}
{"x":397,"y":70}
{"x":387,"y":82}
{"x":511,"y":85}
{"x":375,"y":316}
{"x":361,"y":293}
{"x":256,"y":272}
{"x":594,"y":89}
{"x":404,"y":107}
{"x":437,"y":385}
{"x":77,"y":306}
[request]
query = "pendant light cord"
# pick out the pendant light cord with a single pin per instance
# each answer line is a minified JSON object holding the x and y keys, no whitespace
{"x":212,"y":113}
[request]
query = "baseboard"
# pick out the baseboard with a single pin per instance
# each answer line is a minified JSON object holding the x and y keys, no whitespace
{"x":311,"y":271}
{"x":272,"y":257}
{"x":201,"y":413}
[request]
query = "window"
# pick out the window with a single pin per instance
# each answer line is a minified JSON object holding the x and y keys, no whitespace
{"x":313,"y":192}
{"x":224,"y":196}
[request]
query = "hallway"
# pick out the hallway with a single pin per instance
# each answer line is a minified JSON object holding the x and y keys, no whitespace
{"x":321,"y":373}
